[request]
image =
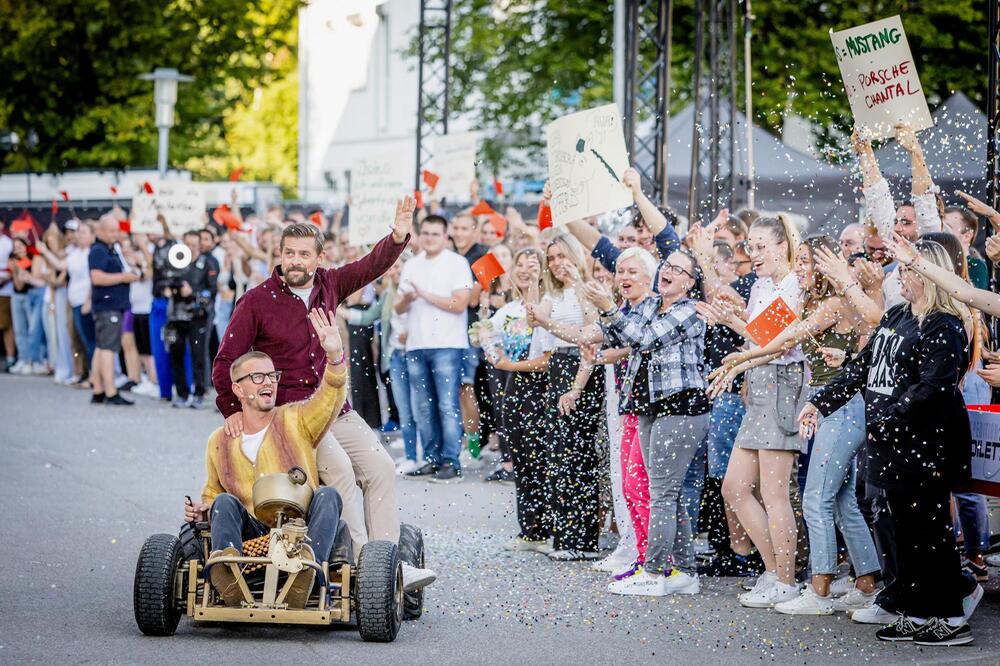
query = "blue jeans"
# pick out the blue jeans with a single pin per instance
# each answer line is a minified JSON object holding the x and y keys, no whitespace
{"x":727,"y":416}
{"x":29,"y":333}
{"x":435,"y":377}
{"x":975,"y":522}
{"x":399,"y":382}
{"x":829,"y":496}
{"x":84,"y":324}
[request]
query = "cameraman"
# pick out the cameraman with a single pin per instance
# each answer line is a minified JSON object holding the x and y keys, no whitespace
{"x":191,"y":291}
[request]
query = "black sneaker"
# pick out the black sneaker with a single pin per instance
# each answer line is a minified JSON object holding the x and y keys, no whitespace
{"x":979,"y":571}
{"x":731,"y":564}
{"x":427,"y":471}
{"x":904,"y":629}
{"x":127,"y":386}
{"x":447,"y":474}
{"x":501,"y":475}
{"x":117,"y":399}
{"x":96,"y":398}
{"x":939,"y":632}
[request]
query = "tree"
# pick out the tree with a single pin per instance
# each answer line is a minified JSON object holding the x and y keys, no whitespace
{"x":70,"y":69}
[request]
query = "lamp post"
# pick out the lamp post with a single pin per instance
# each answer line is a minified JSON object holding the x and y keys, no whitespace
{"x":165,"y":95}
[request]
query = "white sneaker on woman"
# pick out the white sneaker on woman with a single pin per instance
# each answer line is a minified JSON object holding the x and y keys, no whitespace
{"x":807,"y":603}
{"x":873,"y":614}
{"x":615,"y":562}
{"x":641,"y":584}
{"x":841,"y":586}
{"x":854,"y":600}
{"x":405,"y":466}
{"x":768,"y":593}
{"x":680,"y":582}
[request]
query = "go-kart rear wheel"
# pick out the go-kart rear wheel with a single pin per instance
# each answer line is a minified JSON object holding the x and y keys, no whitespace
{"x":411,"y":551}
{"x":379,"y":592}
{"x":156,"y":609}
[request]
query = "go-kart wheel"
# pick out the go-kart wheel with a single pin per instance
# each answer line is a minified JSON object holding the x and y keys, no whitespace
{"x":191,"y":544}
{"x":379,"y":592}
{"x":411,"y":551}
{"x":156,"y":609}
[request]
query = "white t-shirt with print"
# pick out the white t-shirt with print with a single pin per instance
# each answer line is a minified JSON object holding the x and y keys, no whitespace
{"x":762,"y":294}
{"x":428,"y":326}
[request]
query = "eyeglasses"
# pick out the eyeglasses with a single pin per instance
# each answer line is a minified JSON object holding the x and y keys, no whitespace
{"x":677,"y":270}
{"x":258,"y":377}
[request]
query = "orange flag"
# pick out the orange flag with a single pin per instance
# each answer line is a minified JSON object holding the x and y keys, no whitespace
{"x":544,"y":216}
{"x":226,"y":218}
{"x":317,"y":219}
{"x":486,"y":269}
{"x":235,"y":174}
{"x":482,"y":208}
{"x":418,"y":198}
{"x":430,"y":179}
{"x":775,"y":318}
{"x":125,"y":225}
{"x":498,"y":187}
{"x":499,"y":223}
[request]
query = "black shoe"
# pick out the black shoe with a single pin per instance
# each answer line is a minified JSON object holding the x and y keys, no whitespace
{"x":425,"y":472}
{"x":447,"y":474}
{"x":117,"y":399}
{"x":904,"y":629}
{"x":980,"y":572}
{"x":127,"y":386}
{"x":731,"y":564}
{"x":96,"y":398}
{"x":501,"y":475}
{"x":939,"y":632}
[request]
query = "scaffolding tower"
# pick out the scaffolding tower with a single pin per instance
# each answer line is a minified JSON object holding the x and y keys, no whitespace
{"x":433,"y":75}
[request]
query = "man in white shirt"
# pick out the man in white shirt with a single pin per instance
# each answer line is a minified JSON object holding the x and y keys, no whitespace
{"x":435,"y":288}
{"x":6,"y":292}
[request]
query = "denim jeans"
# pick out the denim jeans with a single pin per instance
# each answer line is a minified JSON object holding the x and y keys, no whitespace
{"x":975,"y":522}
{"x":400,"y":385}
{"x":829,"y":494}
{"x":435,"y":377}
{"x":28,"y":325}
{"x":84,"y":325}
{"x":232,"y":524}
{"x":727,"y":415}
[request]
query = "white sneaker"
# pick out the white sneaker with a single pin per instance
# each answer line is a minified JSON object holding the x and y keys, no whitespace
{"x":751,"y":584}
{"x":406,"y":466}
{"x":841,"y":586}
{"x":39,"y":369}
{"x":682,"y":583}
{"x":873,"y":614}
{"x":972,"y":600}
{"x":854,"y":600}
{"x":466,"y":460}
{"x":773,"y":592}
{"x":397,"y":444}
{"x":416,"y":579}
{"x":642,"y":584}
{"x":519,"y":545}
{"x":613,"y":563}
{"x":146,"y":389}
{"x":807,"y":603}
{"x":20,"y":368}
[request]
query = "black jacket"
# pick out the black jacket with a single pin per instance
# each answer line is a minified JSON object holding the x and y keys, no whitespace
{"x":203,"y":275}
{"x":918,"y":427}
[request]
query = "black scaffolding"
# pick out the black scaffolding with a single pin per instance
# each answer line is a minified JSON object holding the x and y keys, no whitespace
{"x":433,"y":74}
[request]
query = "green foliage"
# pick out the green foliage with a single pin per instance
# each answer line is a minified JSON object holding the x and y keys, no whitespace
{"x":70,"y":69}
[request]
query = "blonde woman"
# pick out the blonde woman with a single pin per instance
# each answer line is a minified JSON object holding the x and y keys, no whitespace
{"x":909,"y":374}
{"x":57,"y":324}
{"x":575,"y":394}
{"x":768,"y":444}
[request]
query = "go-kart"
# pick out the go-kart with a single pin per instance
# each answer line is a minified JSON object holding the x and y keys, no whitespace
{"x":172,"y":574}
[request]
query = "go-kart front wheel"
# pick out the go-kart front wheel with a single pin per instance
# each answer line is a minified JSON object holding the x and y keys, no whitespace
{"x":379,"y":592}
{"x":156,"y":609}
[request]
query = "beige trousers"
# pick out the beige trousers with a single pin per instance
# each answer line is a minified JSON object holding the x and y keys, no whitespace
{"x":351,"y":458}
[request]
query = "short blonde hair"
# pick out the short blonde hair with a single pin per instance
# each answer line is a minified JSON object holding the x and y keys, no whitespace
{"x":236,"y":367}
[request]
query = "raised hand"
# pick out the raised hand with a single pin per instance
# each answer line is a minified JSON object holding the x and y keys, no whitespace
{"x":632,"y":181}
{"x":402,"y":225}
{"x":329,"y":334}
{"x":902,"y":248}
{"x":907,"y":138}
{"x":993,"y":248}
{"x":833,"y":266}
{"x":599,"y":295}
{"x":833,"y":357}
{"x":981,"y":208}
{"x":859,"y":144}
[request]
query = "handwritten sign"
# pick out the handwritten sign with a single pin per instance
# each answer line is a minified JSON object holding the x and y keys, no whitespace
{"x":985,"y":423}
{"x":587,"y":160}
{"x":455,"y":165}
{"x":182,"y":204}
{"x":880,"y":77}
{"x":377,"y":183}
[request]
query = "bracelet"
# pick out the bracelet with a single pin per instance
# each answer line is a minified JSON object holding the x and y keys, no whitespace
{"x":578,"y":389}
{"x":339,"y":361}
{"x":609,"y":313}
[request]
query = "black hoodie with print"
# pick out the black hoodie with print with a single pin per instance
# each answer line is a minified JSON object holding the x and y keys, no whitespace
{"x":917,"y":424}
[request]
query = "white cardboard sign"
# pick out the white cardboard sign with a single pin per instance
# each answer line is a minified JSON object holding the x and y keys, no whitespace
{"x":182,"y":204}
{"x":455,"y":165}
{"x":880,"y":78}
{"x":377,"y":183}
{"x":986,"y":447}
{"x":587,"y":160}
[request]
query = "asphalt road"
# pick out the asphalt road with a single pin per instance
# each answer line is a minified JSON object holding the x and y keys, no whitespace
{"x":81,"y":487}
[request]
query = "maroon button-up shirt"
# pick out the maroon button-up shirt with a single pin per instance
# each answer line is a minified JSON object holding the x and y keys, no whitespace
{"x":270,"y":318}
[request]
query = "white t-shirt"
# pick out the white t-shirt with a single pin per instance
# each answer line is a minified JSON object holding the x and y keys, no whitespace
{"x":428,"y":326}
{"x":140,"y":295}
{"x":250,"y":443}
{"x":892,"y":289}
{"x":6,"y":247}
{"x":566,"y":310}
{"x":304,"y":294}
{"x":762,"y":294}
{"x":78,"y":269}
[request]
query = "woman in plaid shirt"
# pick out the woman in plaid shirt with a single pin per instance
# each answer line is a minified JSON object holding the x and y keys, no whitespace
{"x":665,"y":386}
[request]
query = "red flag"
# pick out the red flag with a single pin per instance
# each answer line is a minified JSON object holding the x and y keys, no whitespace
{"x":147,"y":188}
{"x":317,"y":219}
{"x":225,"y":218}
{"x":498,"y":186}
{"x":775,"y":318}
{"x":486,"y":269}
{"x":482,"y":208}
{"x":418,"y":197}
{"x":125,"y":225}
{"x":65,"y":195}
{"x":114,"y":191}
{"x":430,"y":179}
{"x":55,"y":206}
{"x":235,"y":174}
{"x":23,"y":224}
{"x":499,"y":223}
{"x":544,"y":216}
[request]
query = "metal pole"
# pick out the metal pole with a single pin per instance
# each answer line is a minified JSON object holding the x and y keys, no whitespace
{"x":618,"y":57}
{"x":630,"y":87}
{"x":161,"y":160}
{"x":699,"y":39}
{"x":713,"y":106}
{"x":420,"y":95}
{"x":447,"y":62}
{"x":665,"y":81}
{"x":748,"y":102}
{"x":731,"y":31}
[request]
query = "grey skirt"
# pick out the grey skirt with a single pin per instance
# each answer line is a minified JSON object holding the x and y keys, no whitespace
{"x":775,"y":396}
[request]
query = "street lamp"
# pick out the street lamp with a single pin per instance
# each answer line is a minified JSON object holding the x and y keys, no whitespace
{"x":165,"y":95}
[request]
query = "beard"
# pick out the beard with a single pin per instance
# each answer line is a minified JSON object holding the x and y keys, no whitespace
{"x":296,"y":277}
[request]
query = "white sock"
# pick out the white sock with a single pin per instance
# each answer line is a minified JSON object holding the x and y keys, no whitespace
{"x":786,"y":586}
{"x":956,"y":621}
{"x":917,"y":620}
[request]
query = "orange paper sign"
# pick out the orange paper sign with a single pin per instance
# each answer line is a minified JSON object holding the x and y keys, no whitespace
{"x":486,"y":269}
{"x":224,"y":217}
{"x":775,"y":318}
{"x":482,"y":208}
{"x":544,"y":216}
{"x":430,"y":179}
